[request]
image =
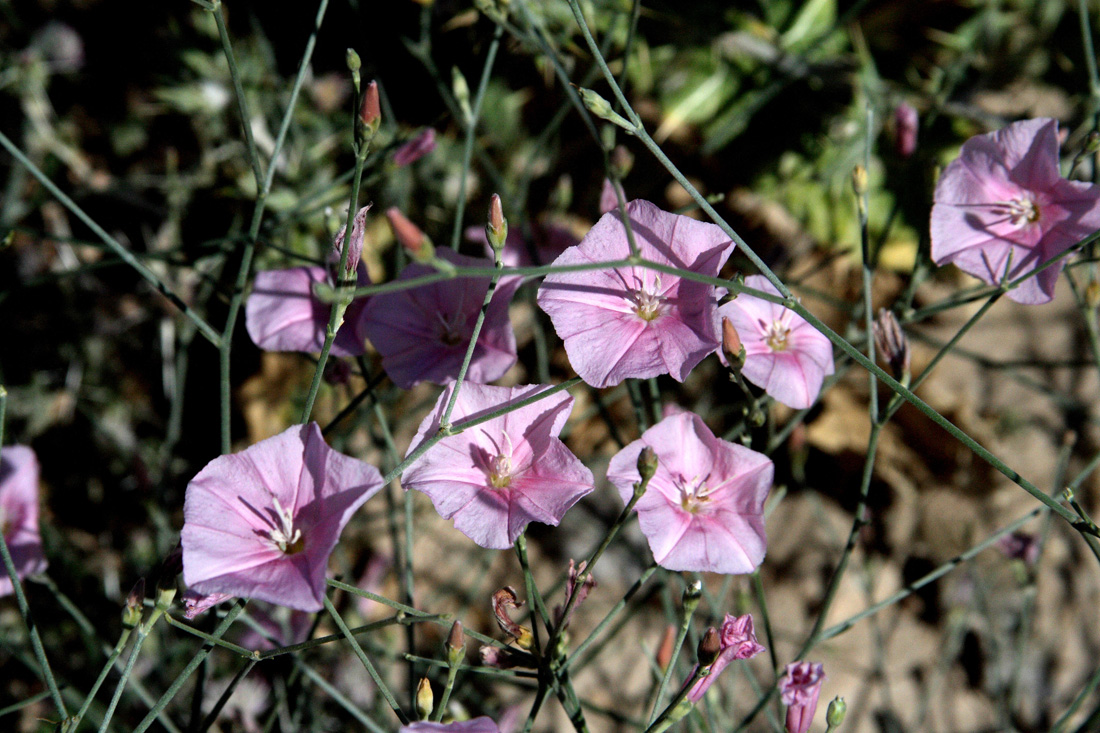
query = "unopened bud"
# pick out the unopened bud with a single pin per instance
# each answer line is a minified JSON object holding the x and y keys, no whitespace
{"x":710,"y":646}
{"x":834,"y":714}
{"x":732,"y":346}
{"x":859,"y":180}
{"x":1092,"y":142}
{"x":664,"y":651}
{"x":622,"y":160}
{"x":497,"y":228}
{"x":892,"y":343}
{"x":647,"y":465}
{"x":131,"y":615}
{"x":425,"y":700}
{"x":353,"y":66}
{"x":692,"y":594}
{"x":456,"y":643}
{"x":354,"y":244}
{"x":906,"y":123}
{"x":415,"y":149}
{"x":600,"y":107}
{"x":461,"y":90}
{"x":415,"y":242}
{"x":370,"y":114}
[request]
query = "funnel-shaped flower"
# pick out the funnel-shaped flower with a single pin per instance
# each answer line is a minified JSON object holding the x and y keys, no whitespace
{"x":422,"y":333}
{"x":738,"y":641}
{"x":784,"y":355}
{"x":477,"y":725}
{"x":1004,"y":197}
{"x":703,"y":510}
{"x":262,"y":523}
{"x":495,"y":478}
{"x":632,"y":321}
{"x":800,"y":688}
{"x":19,"y":513}
{"x":283,"y":314}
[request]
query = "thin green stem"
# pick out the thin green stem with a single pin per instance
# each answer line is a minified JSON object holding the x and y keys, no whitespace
{"x":611,"y":615}
{"x":238,"y":87}
{"x":74,"y":722}
{"x":471,"y":135}
{"x":445,"y":421}
{"x":21,"y":598}
{"x":685,"y":624}
{"x":367,"y":664}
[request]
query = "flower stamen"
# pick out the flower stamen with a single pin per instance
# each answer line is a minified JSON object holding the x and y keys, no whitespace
{"x":500,"y":466}
{"x":285,"y":536}
{"x":647,"y":299}
{"x":776,"y":336}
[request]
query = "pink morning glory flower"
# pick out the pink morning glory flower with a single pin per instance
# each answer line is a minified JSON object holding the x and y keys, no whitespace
{"x":495,"y":478}
{"x":262,"y":523}
{"x":784,"y":355}
{"x":800,"y":689}
{"x":477,"y":725}
{"x":19,"y":514}
{"x":282,"y":313}
{"x":738,"y":641}
{"x":1003,"y":196}
{"x":632,"y":321}
{"x":703,"y":510}
{"x":422,"y":333}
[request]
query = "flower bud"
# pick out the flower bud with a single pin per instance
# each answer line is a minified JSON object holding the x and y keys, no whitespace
{"x":415,"y":149}
{"x":859,"y":181}
{"x":709,"y":647}
{"x":647,"y":463}
{"x":600,"y":107}
{"x":732,"y":346}
{"x":425,"y":700}
{"x":131,"y":615}
{"x":370,"y":114}
{"x":456,"y":643}
{"x":834,"y":714}
{"x":461,"y":90}
{"x":497,"y":229}
{"x":415,"y":242}
{"x":622,"y":160}
{"x":906,"y":123}
{"x":353,"y":66}
{"x":891,"y":343}
{"x":692,"y":594}
{"x":664,"y":650}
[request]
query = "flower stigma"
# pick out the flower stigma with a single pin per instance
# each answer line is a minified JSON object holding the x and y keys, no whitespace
{"x":694,"y":494}
{"x":647,"y":299}
{"x":500,"y":466}
{"x":776,"y":335}
{"x":286,"y":537}
{"x":1020,"y":211}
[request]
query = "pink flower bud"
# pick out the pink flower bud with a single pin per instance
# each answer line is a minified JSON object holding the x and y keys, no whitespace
{"x":409,"y":235}
{"x":800,"y":689}
{"x":415,"y":149}
{"x":370,"y":114}
{"x":906,"y":123}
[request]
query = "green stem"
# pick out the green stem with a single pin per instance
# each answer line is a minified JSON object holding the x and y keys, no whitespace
{"x":74,"y":722}
{"x":685,"y":624}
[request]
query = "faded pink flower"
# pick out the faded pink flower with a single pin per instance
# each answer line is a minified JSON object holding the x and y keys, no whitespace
{"x":195,"y":603}
{"x":1003,"y":196}
{"x":738,"y":640}
{"x":1020,"y":546}
{"x":704,"y":508}
{"x":477,"y":725}
{"x":632,"y":321}
{"x":262,"y":523}
{"x":19,"y":514}
{"x":415,"y":149}
{"x":548,"y":240}
{"x":784,"y":355}
{"x":495,"y":478}
{"x":355,"y":245}
{"x":799,"y":689}
{"x":422,"y":333}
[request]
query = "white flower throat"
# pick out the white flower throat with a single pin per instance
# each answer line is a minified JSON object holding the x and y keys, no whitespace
{"x":647,"y":301}
{"x":500,"y":465}
{"x":285,"y":535}
{"x":1021,"y":211}
{"x":776,"y":333}
{"x":694,"y":494}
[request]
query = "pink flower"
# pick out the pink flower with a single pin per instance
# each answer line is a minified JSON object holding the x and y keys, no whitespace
{"x":548,"y":240}
{"x":632,"y":321}
{"x":262,"y":523}
{"x":422,"y":333}
{"x":19,"y":514}
{"x":784,"y":355}
{"x":609,"y":197}
{"x":195,"y":603}
{"x":738,"y":641}
{"x":477,"y":725}
{"x":495,"y":478}
{"x":1004,"y":197}
{"x":799,"y":689}
{"x":415,"y":149}
{"x":704,"y":508}
{"x":282,"y":313}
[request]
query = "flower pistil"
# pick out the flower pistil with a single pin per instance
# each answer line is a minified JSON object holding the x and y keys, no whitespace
{"x":285,"y":536}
